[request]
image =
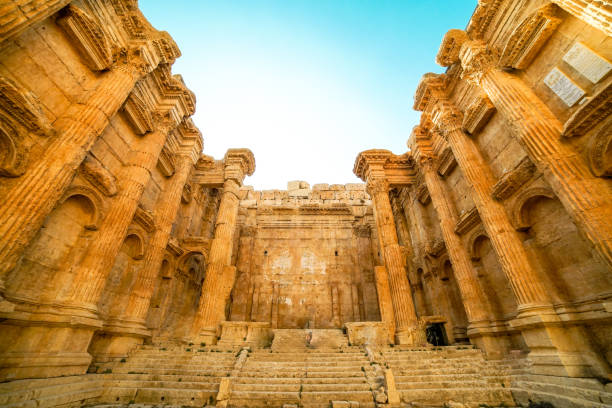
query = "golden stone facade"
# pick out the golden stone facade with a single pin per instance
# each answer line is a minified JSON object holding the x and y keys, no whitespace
{"x":474,"y":269}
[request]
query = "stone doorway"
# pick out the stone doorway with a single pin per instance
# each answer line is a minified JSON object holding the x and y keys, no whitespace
{"x":436,"y":334}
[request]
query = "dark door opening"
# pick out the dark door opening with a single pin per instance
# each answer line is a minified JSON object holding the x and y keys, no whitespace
{"x":436,"y":334}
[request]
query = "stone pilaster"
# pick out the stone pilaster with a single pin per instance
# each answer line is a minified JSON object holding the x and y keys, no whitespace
{"x":33,"y":198}
{"x":584,"y":196}
{"x":238,"y":163}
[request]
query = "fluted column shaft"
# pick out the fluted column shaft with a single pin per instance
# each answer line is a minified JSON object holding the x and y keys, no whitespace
{"x":593,"y":12}
{"x":403,"y":306}
{"x":32,"y":199}
{"x":165,"y":211}
{"x":208,"y":315}
{"x":585,"y":197}
{"x":527,"y":286}
{"x":471,"y":292}
{"x":92,"y":272}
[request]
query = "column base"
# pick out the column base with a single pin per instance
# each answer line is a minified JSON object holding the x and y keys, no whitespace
{"x":117,"y":339}
{"x":557,"y":349}
{"x":490,"y":339}
{"x":40,"y":345}
{"x":207,"y":336}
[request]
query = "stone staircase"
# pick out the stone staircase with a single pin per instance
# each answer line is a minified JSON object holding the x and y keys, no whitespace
{"x":180,"y":375}
{"x":430,"y":376}
{"x":312,"y":378}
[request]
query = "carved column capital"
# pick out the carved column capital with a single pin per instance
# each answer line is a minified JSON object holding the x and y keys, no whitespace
{"x":134,"y":61}
{"x":377,"y":185}
{"x":447,"y":118}
{"x":476,"y":61}
{"x":238,"y":164}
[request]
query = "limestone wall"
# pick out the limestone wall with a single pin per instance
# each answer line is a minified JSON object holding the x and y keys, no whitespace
{"x":305,"y":257}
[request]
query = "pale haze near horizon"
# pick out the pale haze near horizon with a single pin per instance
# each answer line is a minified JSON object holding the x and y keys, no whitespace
{"x":306,"y":85}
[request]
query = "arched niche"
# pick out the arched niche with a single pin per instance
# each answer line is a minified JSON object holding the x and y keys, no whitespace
{"x":124,"y":273}
{"x":163,"y":293}
{"x":44,"y":272}
{"x":492,"y":278}
{"x":567,"y":258}
{"x":449,"y":284}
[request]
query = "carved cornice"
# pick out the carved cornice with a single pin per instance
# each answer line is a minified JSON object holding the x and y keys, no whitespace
{"x":422,"y":194}
{"x":478,"y":114}
{"x":88,"y":37}
{"x":483,"y":16}
{"x":510,"y":182}
{"x":446,"y":162}
{"x":94,"y":172}
{"x":166,"y":163}
{"x":238,"y":163}
{"x":313,"y":209}
{"x":527,"y":39}
{"x":363,"y":231}
{"x":367,"y":158}
{"x":173,"y":247}
{"x":138,"y":112}
{"x":23,"y":108}
{"x":467,"y":221}
{"x":590,"y":114}
{"x":448,"y":54}
{"x":430,"y":88}
{"x":145,"y":219}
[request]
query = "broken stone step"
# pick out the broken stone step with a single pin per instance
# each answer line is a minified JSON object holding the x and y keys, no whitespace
{"x":50,"y":392}
{"x":587,"y":394}
{"x":524,"y":397}
{"x":586,"y":383}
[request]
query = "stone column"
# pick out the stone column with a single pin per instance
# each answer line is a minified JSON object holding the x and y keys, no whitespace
{"x":33,"y":198}
{"x":165,"y":211}
{"x":238,"y":163}
{"x":91,"y":273}
{"x":403,"y":306}
{"x":585,"y":197}
{"x":594,"y":12}
{"x":472,"y":294}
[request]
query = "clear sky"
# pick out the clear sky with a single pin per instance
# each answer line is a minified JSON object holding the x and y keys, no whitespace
{"x":305,"y":84}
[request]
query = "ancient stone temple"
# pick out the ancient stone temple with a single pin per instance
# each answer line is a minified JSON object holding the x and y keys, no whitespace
{"x":473,"y":270}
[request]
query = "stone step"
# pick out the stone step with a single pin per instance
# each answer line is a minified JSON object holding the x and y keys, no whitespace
{"x":160,"y":396}
{"x":335,"y":387}
{"x":271,"y":396}
{"x":586,"y":383}
{"x":165,"y":378}
{"x":50,"y":392}
{"x":449,"y":370}
{"x":523,"y":396}
{"x":323,"y":396}
{"x":169,"y":371}
{"x":273,"y":374}
{"x":441,"y":384}
{"x":266,"y":387}
{"x":333,"y":374}
{"x":182,"y":385}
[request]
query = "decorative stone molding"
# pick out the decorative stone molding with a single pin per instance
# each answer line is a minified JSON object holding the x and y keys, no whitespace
{"x":483,"y":16}
{"x":590,"y":114}
{"x":599,"y":146}
{"x":429,"y":87}
{"x":23,"y":108}
{"x":435,"y":247}
{"x":88,"y":37}
{"x":529,"y":37}
{"x":447,"y":118}
{"x":446,"y":162}
{"x":145,"y":219}
{"x":478,"y":114}
{"x":186,"y":194}
{"x":166,"y":162}
{"x":13,"y":153}
{"x":239,"y":163}
{"x":467,"y":221}
{"x":138,"y":113}
{"x":471,"y":243}
{"x":94,"y":172}
{"x":520,"y":220}
{"x":173,"y":247}
{"x":422,"y":194}
{"x":511,"y":181}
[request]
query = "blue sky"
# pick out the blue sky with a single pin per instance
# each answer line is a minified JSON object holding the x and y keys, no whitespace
{"x":305,"y":84}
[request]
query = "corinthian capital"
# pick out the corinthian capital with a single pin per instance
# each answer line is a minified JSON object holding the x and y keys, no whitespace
{"x":239,"y":163}
{"x":377,"y":185}
{"x":476,"y":60}
{"x":136,"y":61}
{"x":421,"y":147}
{"x":447,"y":118}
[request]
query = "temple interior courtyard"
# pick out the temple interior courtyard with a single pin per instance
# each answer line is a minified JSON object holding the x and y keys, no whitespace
{"x":473,"y":270}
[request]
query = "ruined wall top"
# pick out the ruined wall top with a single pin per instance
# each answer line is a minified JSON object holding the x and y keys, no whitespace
{"x":300,"y":193}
